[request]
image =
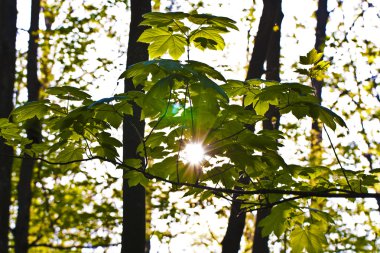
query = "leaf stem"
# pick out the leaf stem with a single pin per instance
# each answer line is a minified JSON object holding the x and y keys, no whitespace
{"x":337,"y":158}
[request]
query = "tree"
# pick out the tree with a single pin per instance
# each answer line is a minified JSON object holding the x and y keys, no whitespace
{"x":24,"y":188}
{"x":59,"y":49}
{"x":273,"y":31}
{"x":8,"y":16}
{"x":338,"y":79}
{"x":320,"y":37}
{"x":266,"y":48}
{"x":134,"y":228}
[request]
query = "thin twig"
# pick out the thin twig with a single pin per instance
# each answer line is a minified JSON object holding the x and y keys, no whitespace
{"x":337,"y":158}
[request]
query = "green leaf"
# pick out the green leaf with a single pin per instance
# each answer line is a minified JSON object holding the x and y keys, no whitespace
{"x":330,"y":118}
{"x":276,"y":220}
{"x":239,"y":113}
{"x":159,"y":19}
{"x":108,"y":113}
{"x":160,"y":89}
{"x":312,"y":57}
{"x":106,"y":139}
{"x":303,"y":71}
{"x":4,"y":122}
{"x":68,"y":92}
{"x":209,"y":84}
{"x":234,"y":88}
{"x":200,"y":67}
{"x":261,"y":107}
{"x":249,"y":99}
{"x":321,"y":216}
{"x":214,"y":21}
{"x":135,"y":178}
{"x":318,"y":70}
{"x":40,"y":148}
{"x":107,"y":100}
{"x":30,"y":110}
{"x":205,"y":107}
{"x":124,"y":107}
{"x":139,"y":70}
{"x":170,"y":66}
{"x":10,"y":133}
{"x":310,"y":238}
{"x":156,"y":99}
{"x":162,"y":41}
{"x":69,"y":154}
{"x":207,"y":38}
{"x":155,"y":139}
{"x":205,"y":195}
{"x":165,"y":168}
{"x":297,"y":87}
{"x":134,"y":163}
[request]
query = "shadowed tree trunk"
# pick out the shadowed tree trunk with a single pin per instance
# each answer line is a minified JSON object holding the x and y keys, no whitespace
{"x":24,"y":187}
{"x":316,"y":127}
{"x":271,"y":16}
{"x":315,"y":157}
{"x":8,"y":30}
{"x":260,"y":243}
{"x":149,"y":209}
{"x":134,"y":224}
{"x":235,"y":227}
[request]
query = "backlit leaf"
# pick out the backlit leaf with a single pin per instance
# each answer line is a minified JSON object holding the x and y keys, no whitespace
{"x":158,"y":19}
{"x":207,"y":38}
{"x":276,"y":220}
{"x":68,"y":92}
{"x":220,"y":22}
{"x":310,"y":238}
{"x":30,"y":110}
{"x":162,"y":41}
{"x":312,"y":57}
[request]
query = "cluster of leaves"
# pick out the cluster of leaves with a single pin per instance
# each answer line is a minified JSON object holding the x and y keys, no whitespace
{"x":189,"y":101}
{"x":318,"y":68}
{"x":173,"y":32}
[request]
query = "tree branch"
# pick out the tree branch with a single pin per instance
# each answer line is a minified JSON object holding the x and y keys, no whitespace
{"x":327,"y":193}
{"x":62,"y":247}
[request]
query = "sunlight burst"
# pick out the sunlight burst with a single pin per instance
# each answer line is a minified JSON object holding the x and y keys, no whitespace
{"x":193,"y":153}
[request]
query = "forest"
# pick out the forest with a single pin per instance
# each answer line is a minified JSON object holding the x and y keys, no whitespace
{"x":189,"y":126}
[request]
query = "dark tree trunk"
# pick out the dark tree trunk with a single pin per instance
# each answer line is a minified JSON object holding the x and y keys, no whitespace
{"x":134,"y":226}
{"x":24,"y":187}
{"x":274,"y":19}
{"x":235,"y":227}
{"x":320,"y":37}
{"x":260,"y":49}
{"x":322,"y":17}
{"x":261,"y":52}
{"x":8,"y":30}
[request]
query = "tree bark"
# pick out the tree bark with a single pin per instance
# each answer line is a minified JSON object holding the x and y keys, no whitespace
{"x":134,"y":226}
{"x":8,"y":17}
{"x":274,"y":19}
{"x":33,"y":128}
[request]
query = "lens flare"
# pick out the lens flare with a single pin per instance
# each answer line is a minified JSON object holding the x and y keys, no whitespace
{"x":193,"y":153}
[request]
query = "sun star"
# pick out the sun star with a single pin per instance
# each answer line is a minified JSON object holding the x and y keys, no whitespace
{"x":193,"y":153}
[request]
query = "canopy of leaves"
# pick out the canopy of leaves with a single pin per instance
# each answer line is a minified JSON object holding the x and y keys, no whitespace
{"x":174,"y":32}
{"x":190,"y":101}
